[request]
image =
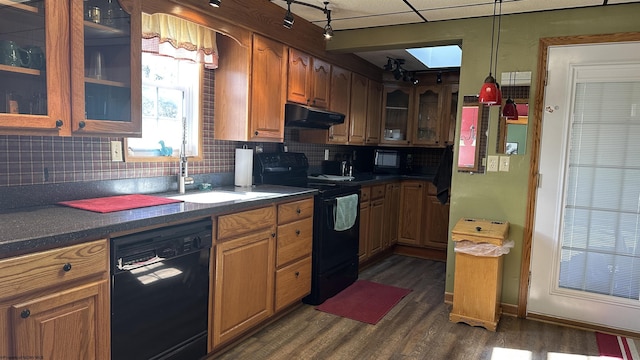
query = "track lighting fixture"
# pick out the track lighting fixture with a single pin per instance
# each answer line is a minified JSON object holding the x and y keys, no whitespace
{"x":328,"y":30}
{"x":288,"y":17}
{"x":215,"y":3}
{"x":395,"y":66}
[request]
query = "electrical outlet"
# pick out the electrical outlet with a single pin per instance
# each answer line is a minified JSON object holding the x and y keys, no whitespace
{"x":116,"y":151}
{"x":492,"y":163}
{"x":504,"y":163}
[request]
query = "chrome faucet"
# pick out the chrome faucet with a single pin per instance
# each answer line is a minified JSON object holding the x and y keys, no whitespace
{"x":183,"y":172}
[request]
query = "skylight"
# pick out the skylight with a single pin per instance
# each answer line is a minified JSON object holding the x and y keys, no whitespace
{"x":438,"y":56}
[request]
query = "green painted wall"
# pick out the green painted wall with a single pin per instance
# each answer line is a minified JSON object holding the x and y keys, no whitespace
{"x":496,"y":196}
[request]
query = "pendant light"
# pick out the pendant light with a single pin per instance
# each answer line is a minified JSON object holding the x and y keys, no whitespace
{"x":510,"y":111}
{"x":490,"y":91}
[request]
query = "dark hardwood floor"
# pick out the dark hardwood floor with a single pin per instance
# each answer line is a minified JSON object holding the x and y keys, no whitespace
{"x":417,"y":328}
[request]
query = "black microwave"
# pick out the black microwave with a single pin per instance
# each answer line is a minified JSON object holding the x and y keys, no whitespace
{"x":386,"y":161}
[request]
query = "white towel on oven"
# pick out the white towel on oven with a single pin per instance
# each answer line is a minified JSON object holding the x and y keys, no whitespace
{"x":345,"y":212}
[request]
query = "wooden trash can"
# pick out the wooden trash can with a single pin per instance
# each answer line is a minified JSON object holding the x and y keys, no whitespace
{"x":478,"y":279}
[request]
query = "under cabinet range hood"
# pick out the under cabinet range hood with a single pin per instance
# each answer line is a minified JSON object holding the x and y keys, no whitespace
{"x":307,"y":117}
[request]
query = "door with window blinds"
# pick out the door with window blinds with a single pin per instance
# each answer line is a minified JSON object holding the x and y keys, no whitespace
{"x":586,"y":245}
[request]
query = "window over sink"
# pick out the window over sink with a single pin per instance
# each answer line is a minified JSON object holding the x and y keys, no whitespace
{"x":171,"y":98}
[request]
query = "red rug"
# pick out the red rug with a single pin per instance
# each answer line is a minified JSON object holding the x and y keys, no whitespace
{"x":364,"y":301}
{"x":118,"y":203}
{"x":617,"y":347}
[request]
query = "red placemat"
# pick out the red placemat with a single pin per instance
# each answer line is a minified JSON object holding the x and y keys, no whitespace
{"x":118,"y":203}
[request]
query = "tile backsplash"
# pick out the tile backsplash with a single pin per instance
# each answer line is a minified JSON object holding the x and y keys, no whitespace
{"x":34,"y":160}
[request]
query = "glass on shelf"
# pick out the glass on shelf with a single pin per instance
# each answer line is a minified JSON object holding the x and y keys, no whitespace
{"x":22,"y":58}
{"x":107,"y":65}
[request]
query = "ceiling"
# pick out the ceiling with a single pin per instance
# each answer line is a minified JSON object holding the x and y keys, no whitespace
{"x":358,"y":14}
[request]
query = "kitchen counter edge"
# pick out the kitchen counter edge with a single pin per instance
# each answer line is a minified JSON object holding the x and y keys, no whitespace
{"x":29,"y":230}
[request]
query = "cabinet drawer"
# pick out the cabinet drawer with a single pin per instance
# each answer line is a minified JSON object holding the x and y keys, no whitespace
{"x":293,"y":282}
{"x":51,"y":268}
{"x":365,"y":194}
{"x":295,"y":210}
{"x":294,"y":241}
{"x":377,"y":191}
{"x":245,"y":222}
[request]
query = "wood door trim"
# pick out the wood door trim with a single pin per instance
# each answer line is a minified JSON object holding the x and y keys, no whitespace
{"x":543,"y":49}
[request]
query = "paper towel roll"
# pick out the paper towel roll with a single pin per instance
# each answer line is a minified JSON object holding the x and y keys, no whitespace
{"x":244,"y":167}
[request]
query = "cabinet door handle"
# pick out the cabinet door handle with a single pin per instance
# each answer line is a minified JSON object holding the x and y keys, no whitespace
{"x":273,"y":235}
{"x":297,"y":232}
{"x":59,"y":123}
{"x":25,"y":313}
{"x":297,"y":273}
{"x":298,"y":211}
{"x":82,"y":124}
{"x":66,"y":267}
{"x":256,"y":133}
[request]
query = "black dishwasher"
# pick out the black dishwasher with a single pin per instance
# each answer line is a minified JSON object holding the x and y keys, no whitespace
{"x":160,"y":292}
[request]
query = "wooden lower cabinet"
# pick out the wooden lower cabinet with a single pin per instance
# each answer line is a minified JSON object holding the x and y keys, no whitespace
{"x":376,"y":218}
{"x":262,"y":265}
{"x":55,"y":304}
{"x":293,"y":282}
{"x":411,"y":212}
{"x":243,"y":289}
{"x":61,"y":325}
{"x":424,"y":221}
{"x":436,"y":223}
{"x":391,"y":215}
{"x":293,"y":252}
{"x":363,"y":242}
{"x":371,"y":221}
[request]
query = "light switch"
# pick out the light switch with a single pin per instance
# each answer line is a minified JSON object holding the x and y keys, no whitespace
{"x":116,"y":151}
{"x":492,"y":163}
{"x":504,"y":163}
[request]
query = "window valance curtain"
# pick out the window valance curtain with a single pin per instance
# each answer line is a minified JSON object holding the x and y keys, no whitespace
{"x":168,"y":35}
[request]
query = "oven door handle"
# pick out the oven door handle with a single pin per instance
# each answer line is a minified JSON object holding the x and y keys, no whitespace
{"x":329,"y":208}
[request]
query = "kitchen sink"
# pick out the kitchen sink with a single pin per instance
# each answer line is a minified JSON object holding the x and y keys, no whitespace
{"x":212,"y":197}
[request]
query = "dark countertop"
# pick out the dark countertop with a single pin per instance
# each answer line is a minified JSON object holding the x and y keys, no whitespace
{"x":36,"y":228}
{"x":26,"y":230}
{"x":372,"y":179}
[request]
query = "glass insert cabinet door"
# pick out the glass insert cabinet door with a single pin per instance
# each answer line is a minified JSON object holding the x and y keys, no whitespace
{"x":106,"y":77}
{"x":64,"y":69}
{"x":34,"y":67}
{"x":428,"y":102}
{"x":397,"y":109}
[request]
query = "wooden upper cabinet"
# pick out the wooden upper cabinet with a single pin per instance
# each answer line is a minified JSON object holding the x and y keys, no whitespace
{"x":428,"y":115}
{"x":340,"y":102}
{"x":320,"y":84}
{"x":397,"y":114}
{"x":299,"y":77}
{"x":374,"y":112}
{"x":77,"y":76}
{"x":106,"y":71}
{"x":358,"y":109}
{"x":309,"y":80}
{"x":268,"y":89}
{"x":250,"y":88}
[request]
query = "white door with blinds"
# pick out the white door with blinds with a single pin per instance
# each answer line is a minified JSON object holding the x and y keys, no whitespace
{"x":586,"y":242}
